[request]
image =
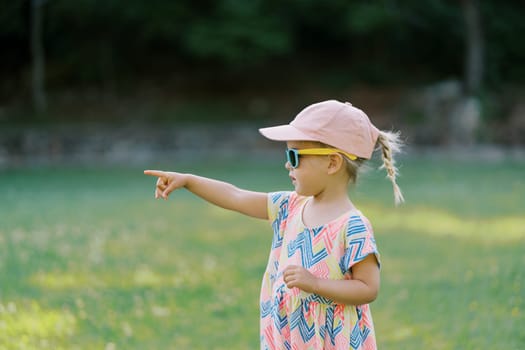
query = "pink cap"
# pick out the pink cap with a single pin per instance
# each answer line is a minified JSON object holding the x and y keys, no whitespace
{"x":331,"y":122}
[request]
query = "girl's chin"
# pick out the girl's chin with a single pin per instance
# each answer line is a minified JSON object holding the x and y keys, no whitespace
{"x":299,"y":191}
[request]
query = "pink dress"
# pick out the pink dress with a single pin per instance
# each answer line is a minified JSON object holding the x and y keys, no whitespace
{"x":294,"y":319}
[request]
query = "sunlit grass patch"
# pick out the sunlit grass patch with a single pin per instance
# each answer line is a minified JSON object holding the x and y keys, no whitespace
{"x":426,"y":220}
{"x":27,"y":325}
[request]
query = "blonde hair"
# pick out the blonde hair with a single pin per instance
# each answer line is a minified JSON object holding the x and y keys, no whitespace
{"x":390,"y":144}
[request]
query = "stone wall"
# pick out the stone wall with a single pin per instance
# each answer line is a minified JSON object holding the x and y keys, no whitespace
{"x":142,"y":145}
{"x":125,"y":144}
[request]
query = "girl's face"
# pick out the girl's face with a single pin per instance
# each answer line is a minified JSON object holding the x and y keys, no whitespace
{"x":309,"y":177}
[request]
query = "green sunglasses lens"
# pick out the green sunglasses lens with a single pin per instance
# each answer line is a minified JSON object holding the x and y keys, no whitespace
{"x":292,"y":157}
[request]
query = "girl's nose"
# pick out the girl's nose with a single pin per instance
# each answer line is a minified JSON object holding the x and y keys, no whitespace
{"x":287,"y":166}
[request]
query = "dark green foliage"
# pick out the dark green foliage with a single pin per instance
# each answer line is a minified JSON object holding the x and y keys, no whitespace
{"x":89,"y":40}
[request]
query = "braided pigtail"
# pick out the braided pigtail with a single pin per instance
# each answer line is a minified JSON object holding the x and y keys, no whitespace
{"x":391,"y":143}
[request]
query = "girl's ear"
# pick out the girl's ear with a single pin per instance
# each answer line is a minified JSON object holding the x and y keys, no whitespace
{"x":335,"y":162}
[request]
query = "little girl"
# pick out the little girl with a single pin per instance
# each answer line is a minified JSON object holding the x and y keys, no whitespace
{"x":323,"y":269}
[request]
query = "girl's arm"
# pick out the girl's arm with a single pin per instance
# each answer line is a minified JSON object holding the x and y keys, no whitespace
{"x":361,"y":289}
{"x":220,"y":193}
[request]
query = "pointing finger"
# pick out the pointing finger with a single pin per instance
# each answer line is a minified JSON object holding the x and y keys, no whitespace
{"x":157,"y":173}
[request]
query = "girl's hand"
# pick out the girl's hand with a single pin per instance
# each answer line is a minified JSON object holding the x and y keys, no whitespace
{"x":167,"y":182}
{"x":298,"y":276}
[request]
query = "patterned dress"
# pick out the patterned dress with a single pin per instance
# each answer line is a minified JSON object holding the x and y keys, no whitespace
{"x":294,"y":319}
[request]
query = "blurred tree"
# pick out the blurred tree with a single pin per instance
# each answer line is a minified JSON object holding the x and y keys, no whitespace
{"x":465,"y":119}
{"x":122,"y":35}
{"x":14,"y":51}
{"x":504,"y":44}
{"x":37,"y":56}
{"x":474,"y":55}
{"x":237,"y":32}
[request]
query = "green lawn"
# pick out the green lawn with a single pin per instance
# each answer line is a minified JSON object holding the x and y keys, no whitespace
{"x":89,"y":260}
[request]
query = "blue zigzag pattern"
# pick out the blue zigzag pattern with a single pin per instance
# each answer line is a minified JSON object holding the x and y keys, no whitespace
{"x":281,"y":216}
{"x":358,"y":335}
{"x":355,"y":226}
{"x":329,"y":326}
{"x":297,"y":320}
{"x":356,"y":245}
{"x":356,"y":338}
{"x":279,"y":321}
{"x":304,"y":244}
{"x":269,"y":308}
{"x":266,"y":308}
{"x":319,"y":299}
{"x":272,"y":308}
{"x":277,"y":274}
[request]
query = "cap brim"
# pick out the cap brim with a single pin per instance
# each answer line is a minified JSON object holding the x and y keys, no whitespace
{"x":285,"y":133}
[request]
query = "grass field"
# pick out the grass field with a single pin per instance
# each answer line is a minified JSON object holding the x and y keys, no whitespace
{"x":89,"y":260}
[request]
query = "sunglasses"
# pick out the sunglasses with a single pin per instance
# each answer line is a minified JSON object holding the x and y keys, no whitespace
{"x":292,"y":154}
